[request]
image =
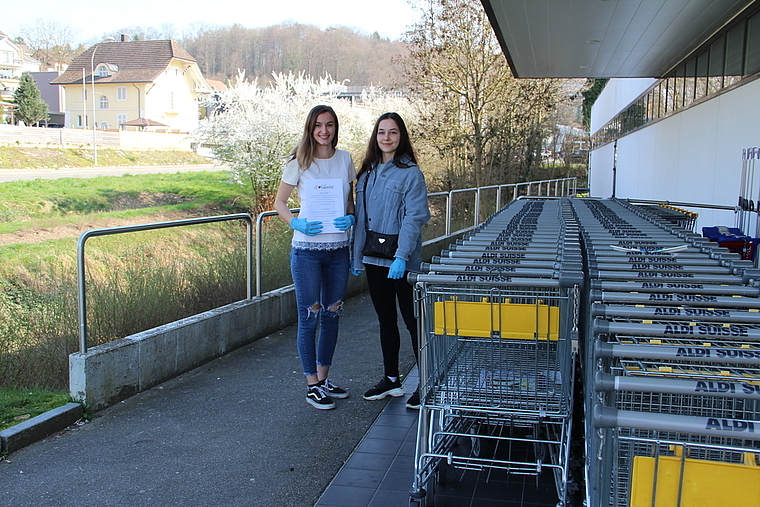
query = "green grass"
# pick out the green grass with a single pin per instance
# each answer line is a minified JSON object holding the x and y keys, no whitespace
{"x":19,"y":405}
{"x":135,"y":281}
{"x":22,"y":202}
{"x":18,"y":157}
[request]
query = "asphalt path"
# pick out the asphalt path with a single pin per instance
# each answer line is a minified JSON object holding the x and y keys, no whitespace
{"x":89,"y":172}
{"x":235,"y":432}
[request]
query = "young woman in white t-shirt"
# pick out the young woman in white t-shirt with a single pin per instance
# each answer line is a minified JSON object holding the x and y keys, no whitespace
{"x":319,"y":257}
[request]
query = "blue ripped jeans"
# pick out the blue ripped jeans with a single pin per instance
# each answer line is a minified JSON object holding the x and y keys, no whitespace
{"x":320,"y":277}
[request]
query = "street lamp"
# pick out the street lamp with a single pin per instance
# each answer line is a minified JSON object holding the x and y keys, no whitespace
{"x":94,"y":122}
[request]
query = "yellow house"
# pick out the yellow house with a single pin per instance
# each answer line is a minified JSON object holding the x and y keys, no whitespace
{"x":134,"y":80}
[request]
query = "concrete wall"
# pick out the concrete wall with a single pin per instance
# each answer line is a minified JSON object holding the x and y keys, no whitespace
{"x":54,"y":138}
{"x":694,"y":155}
{"x":116,"y":370}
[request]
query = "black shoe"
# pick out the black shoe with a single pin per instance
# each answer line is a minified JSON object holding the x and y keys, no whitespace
{"x":384,"y":388}
{"x":318,"y":398}
{"x":334,"y":391}
{"x":414,"y":400}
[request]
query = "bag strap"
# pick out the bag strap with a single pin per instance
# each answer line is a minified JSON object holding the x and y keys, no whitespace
{"x":364,"y":197}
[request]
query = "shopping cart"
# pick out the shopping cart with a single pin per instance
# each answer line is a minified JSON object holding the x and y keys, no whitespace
{"x":496,"y":361}
{"x":672,"y":366}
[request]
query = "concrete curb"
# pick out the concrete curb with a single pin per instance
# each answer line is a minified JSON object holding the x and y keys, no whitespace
{"x":37,"y":428}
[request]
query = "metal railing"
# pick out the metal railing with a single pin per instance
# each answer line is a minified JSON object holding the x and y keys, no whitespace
{"x":260,"y":243}
{"x":548,"y":188}
{"x":81,"y":284}
{"x":545,"y":188}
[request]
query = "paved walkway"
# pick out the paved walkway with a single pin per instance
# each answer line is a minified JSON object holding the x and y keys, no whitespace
{"x":238,"y":432}
{"x":234,"y":432}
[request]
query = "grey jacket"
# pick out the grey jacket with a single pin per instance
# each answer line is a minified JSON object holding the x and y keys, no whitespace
{"x":396,"y":203}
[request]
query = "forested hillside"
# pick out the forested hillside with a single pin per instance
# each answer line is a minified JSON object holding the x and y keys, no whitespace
{"x":222,"y":51}
{"x":341,"y":52}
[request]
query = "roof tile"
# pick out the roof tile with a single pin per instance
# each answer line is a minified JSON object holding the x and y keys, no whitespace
{"x":138,"y":61}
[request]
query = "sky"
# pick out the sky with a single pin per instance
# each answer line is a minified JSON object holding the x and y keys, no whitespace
{"x":91,"y":19}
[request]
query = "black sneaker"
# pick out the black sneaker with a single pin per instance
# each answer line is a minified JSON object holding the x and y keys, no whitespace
{"x":384,"y":388}
{"x":414,"y":400}
{"x":334,"y":391}
{"x":318,"y":398}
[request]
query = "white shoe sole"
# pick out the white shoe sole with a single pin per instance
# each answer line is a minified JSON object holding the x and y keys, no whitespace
{"x":320,"y":406}
{"x":399,"y":391}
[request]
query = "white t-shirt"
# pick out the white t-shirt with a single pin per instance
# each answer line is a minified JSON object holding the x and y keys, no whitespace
{"x":340,"y":166}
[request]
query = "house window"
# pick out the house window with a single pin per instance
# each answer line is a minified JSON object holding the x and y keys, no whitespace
{"x":121,"y":118}
{"x":79,"y":120}
{"x":103,"y":102}
{"x":121,"y":93}
{"x":102,"y":71}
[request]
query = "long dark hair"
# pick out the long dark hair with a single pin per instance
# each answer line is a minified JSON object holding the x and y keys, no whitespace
{"x":374,"y":155}
{"x":304,"y":150}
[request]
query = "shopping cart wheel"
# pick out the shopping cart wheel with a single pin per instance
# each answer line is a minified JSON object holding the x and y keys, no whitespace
{"x":417,"y":498}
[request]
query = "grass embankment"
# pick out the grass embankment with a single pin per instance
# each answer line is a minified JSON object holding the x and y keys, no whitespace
{"x":135,"y":281}
{"x":18,"y":157}
{"x":17,"y":406}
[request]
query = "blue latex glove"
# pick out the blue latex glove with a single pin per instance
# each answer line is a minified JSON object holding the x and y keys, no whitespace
{"x":308,"y":228}
{"x":397,"y":269}
{"x":344,"y":223}
{"x":357,"y":272}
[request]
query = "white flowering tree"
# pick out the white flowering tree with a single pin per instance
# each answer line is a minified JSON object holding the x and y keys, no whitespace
{"x":252,"y":129}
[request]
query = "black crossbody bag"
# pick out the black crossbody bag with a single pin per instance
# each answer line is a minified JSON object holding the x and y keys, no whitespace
{"x":377,"y":244}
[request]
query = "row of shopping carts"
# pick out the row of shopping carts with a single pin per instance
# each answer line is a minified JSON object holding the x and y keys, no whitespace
{"x":671,"y":360}
{"x":665,"y":328}
{"x":498,"y":331}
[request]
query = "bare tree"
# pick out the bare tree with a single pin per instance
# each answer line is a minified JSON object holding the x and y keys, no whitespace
{"x":294,"y":47}
{"x":52,"y":43}
{"x":134,"y":33}
{"x":486,"y":119}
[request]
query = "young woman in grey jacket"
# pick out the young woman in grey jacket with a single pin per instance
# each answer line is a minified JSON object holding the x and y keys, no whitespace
{"x":391,"y":199}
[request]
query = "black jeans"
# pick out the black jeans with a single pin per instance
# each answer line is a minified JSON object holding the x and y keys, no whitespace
{"x":384,"y":293}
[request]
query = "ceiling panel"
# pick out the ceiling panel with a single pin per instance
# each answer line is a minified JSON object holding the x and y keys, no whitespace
{"x":604,"y":38}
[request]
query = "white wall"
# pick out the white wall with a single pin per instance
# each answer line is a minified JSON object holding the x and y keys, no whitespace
{"x":693,"y":156}
{"x":49,"y":137}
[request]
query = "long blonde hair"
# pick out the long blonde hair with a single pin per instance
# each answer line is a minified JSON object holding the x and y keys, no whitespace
{"x":307,"y":146}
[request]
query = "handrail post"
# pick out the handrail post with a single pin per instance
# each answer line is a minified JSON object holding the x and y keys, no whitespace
{"x":259,"y":239}
{"x":449,"y":211}
{"x":81,"y":297}
{"x":477,"y":207}
{"x":81,"y":278}
{"x":249,"y":259}
{"x":260,"y":242}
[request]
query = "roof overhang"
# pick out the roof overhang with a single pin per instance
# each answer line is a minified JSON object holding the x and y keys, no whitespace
{"x":604,"y":38}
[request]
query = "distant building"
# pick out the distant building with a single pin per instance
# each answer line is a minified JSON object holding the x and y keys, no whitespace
{"x":15,"y":59}
{"x":134,"y":80}
{"x":52,"y":95}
